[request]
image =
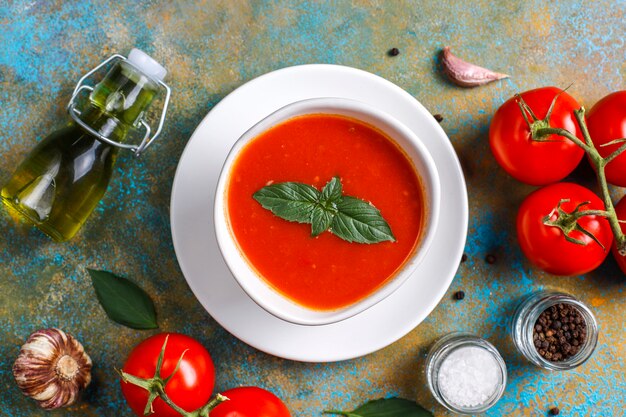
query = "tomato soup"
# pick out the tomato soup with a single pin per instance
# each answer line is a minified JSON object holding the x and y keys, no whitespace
{"x":324,"y":272}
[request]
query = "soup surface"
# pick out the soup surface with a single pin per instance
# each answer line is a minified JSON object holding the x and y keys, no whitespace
{"x":325,"y":272}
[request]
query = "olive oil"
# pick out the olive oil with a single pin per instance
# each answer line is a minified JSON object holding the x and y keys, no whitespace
{"x":64,"y":177}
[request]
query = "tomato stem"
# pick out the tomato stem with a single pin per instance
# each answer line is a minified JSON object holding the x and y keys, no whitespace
{"x":616,"y":152}
{"x":598,"y":162}
{"x":539,"y":127}
{"x":156,"y":389}
{"x":206,"y":409}
{"x":545,"y":131}
{"x":526,"y":110}
{"x":568,"y":222}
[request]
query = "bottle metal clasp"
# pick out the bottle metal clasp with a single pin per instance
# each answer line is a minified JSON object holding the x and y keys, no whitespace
{"x":147,"y":139}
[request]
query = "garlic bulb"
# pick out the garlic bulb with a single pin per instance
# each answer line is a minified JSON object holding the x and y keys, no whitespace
{"x":52,"y":368}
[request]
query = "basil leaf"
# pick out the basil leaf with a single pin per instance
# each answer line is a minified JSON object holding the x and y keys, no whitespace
{"x":291,"y":201}
{"x":332,"y":191}
{"x":358,"y":221}
{"x":322,"y":215}
{"x":321,"y":220}
{"x":386,"y":407}
{"x":123,"y":300}
{"x":346,"y":217}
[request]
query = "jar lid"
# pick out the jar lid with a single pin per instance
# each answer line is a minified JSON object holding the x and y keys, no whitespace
{"x":146,"y":64}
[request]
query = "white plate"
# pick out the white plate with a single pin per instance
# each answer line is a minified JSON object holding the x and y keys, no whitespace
{"x":193,"y":195}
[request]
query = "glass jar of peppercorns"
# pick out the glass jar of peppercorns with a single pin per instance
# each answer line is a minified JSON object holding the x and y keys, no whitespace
{"x":554,"y":330}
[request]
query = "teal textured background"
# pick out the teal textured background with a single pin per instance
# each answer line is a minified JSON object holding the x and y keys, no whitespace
{"x":210,"y":48}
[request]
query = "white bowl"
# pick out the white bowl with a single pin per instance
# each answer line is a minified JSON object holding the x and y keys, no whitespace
{"x":254,"y":285}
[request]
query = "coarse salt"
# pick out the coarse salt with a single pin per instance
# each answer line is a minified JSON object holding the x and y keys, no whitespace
{"x":469,"y":376}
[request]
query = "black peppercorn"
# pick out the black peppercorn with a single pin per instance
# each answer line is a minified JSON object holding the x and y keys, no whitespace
{"x":554,"y":411}
{"x":459,"y":295}
{"x":439,"y":118}
{"x":394,"y":52}
{"x":556,"y":341}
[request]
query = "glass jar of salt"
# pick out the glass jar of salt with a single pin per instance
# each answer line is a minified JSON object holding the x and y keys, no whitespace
{"x":465,"y":373}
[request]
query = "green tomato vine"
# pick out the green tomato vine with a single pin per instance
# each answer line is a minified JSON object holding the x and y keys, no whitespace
{"x":540,"y":129}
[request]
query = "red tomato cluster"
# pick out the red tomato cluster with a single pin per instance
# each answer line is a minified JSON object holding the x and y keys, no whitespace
{"x":191,"y":386}
{"x":550,"y":159}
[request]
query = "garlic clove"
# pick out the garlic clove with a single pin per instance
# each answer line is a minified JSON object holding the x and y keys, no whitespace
{"x":52,"y":368}
{"x":466,"y":74}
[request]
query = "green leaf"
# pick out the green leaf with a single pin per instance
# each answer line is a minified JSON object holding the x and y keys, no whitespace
{"x":346,"y":217}
{"x":291,"y":201}
{"x":358,"y":221}
{"x":332,"y":191}
{"x":321,"y":220}
{"x":386,"y":407}
{"x":123,"y":300}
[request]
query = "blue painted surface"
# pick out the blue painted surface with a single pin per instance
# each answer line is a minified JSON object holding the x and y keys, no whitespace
{"x":211,"y":48}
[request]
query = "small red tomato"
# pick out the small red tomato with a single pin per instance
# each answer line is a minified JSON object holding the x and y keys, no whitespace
{"x":546,"y":246}
{"x":606,"y":122}
{"x":250,"y":402}
{"x":525,"y":159}
{"x":191,"y":386}
{"x":620,"y":210}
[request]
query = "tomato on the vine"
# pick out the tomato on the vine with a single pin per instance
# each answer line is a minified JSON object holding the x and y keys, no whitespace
{"x":528,"y":160}
{"x":250,"y":402}
{"x":546,"y":246}
{"x":191,"y":386}
{"x":620,"y":210}
{"x":607,"y":122}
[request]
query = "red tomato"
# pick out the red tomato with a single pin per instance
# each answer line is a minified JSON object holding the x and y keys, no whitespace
{"x":546,"y":247}
{"x":529,"y":161}
{"x":250,"y":402}
{"x":620,"y":209}
{"x":606,"y":122}
{"x":190,"y":388}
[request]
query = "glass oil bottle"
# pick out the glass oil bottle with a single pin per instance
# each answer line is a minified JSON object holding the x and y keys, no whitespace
{"x":64,"y":177}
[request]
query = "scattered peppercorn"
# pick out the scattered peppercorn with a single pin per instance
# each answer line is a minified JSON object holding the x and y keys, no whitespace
{"x":559,"y":332}
{"x":464,"y":258}
{"x":438,"y":117}
{"x":554,"y":411}
{"x":490,"y":259}
{"x":459,"y":295}
{"x":394,"y":52}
